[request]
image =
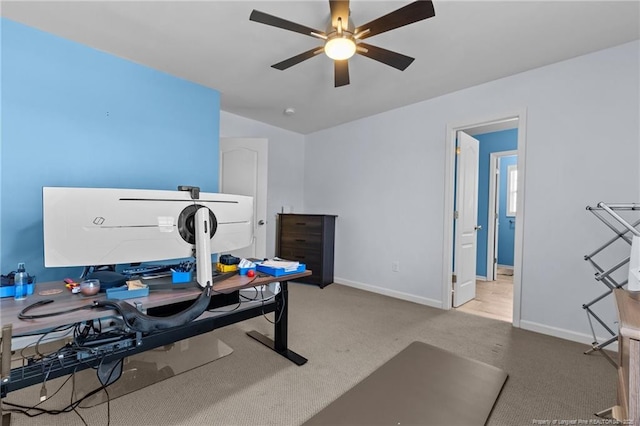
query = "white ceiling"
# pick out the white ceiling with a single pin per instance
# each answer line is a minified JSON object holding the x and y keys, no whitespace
{"x":214,"y":43}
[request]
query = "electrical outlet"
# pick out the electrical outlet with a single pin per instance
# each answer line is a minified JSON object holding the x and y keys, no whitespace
{"x":395,"y":266}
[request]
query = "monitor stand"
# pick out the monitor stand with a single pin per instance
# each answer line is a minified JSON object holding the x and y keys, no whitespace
{"x":146,"y":368}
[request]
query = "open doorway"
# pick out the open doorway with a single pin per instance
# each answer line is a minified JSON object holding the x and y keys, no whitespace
{"x":497,"y":196}
{"x":498,"y":281}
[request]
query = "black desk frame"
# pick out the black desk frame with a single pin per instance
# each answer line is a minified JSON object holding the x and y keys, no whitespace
{"x":279,"y":343}
{"x":21,"y":377}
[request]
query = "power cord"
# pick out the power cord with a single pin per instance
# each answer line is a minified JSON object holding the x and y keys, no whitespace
{"x":83,"y":329}
{"x":67,"y":328}
{"x":277,"y":320}
{"x":23,"y":313}
{"x":23,"y":409}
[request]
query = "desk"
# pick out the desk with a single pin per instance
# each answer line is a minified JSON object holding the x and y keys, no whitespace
{"x":21,"y":377}
{"x":628,"y":305}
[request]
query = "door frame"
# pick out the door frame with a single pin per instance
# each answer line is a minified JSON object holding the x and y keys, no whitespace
{"x":449,"y":195}
{"x":494,"y":193}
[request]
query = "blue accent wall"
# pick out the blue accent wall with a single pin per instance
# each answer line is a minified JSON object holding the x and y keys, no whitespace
{"x":507,"y":228}
{"x":504,"y":140}
{"x":75,"y":116}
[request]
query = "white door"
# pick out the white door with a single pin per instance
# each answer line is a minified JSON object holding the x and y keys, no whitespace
{"x":494,"y":223}
{"x":492,"y":219}
{"x":243,"y":171}
{"x":466,"y":224}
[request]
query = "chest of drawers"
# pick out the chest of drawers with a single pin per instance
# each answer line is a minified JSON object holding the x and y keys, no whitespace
{"x":309,"y":239}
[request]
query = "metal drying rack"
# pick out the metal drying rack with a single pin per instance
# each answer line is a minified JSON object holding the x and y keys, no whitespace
{"x":607,"y":213}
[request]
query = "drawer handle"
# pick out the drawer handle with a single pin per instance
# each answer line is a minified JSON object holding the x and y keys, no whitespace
{"x":301,"y":223}
{"x":300,"y":241}
{"x":300,"y":257}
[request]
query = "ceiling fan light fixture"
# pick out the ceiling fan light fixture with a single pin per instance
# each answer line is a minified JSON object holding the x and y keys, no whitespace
{"x":340,"y":48}
{"x":342,"y":39}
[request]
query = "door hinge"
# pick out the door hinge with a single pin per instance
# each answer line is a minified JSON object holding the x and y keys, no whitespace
{"x":455,"y":214}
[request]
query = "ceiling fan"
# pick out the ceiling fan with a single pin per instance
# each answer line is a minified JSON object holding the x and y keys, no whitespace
{"x":343,"y":39}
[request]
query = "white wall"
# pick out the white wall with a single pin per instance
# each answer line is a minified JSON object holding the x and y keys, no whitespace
{"x":286,"y":166}
{"x":384,"y":177}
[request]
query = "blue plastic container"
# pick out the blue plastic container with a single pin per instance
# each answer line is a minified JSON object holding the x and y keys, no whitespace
{"x":123,"y":292}
{"x":180,"y":277}
{"x":10,"y":290}
{"x":277,"y":272}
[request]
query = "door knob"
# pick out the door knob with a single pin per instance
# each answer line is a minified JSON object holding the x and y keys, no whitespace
{"x":477,"y":227}
{"x":261,"y":222}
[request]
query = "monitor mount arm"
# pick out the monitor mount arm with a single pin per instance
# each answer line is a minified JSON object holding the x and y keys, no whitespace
{"x":203,"y":247}
{"x":203,"y":239}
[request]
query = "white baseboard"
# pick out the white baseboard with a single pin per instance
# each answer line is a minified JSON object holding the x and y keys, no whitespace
{"x":391,"y":293}
{"x":480,"y":278}
{"x":587,"y":339}
{"x":561,"y":333}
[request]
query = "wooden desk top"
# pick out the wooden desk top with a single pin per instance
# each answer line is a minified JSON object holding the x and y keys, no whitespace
{"x":628,"y":303}
{"x":10,"y":308}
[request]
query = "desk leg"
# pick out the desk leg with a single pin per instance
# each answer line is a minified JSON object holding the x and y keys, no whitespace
{"x":279,"y":344}
{"x":5,"y":367}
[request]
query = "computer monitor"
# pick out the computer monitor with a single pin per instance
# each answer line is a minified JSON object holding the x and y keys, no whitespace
{"x":104,"y":226}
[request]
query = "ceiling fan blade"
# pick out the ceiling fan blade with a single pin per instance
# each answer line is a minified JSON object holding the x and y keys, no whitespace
{"x":274,"y":21}
{"x":297,"y":59}
{"x":413,"y":12}
{"x":393,"y":59}
{"x":341,"y":70}
{"x":339,"y":9}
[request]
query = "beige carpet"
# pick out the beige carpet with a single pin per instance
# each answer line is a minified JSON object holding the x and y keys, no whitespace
{"x":347,"y":334}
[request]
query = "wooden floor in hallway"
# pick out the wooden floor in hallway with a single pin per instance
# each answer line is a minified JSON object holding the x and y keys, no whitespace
{"x":494,"y":299}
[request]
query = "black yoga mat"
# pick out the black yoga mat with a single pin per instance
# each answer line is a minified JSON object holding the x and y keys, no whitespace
{"x":422,"y":385}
